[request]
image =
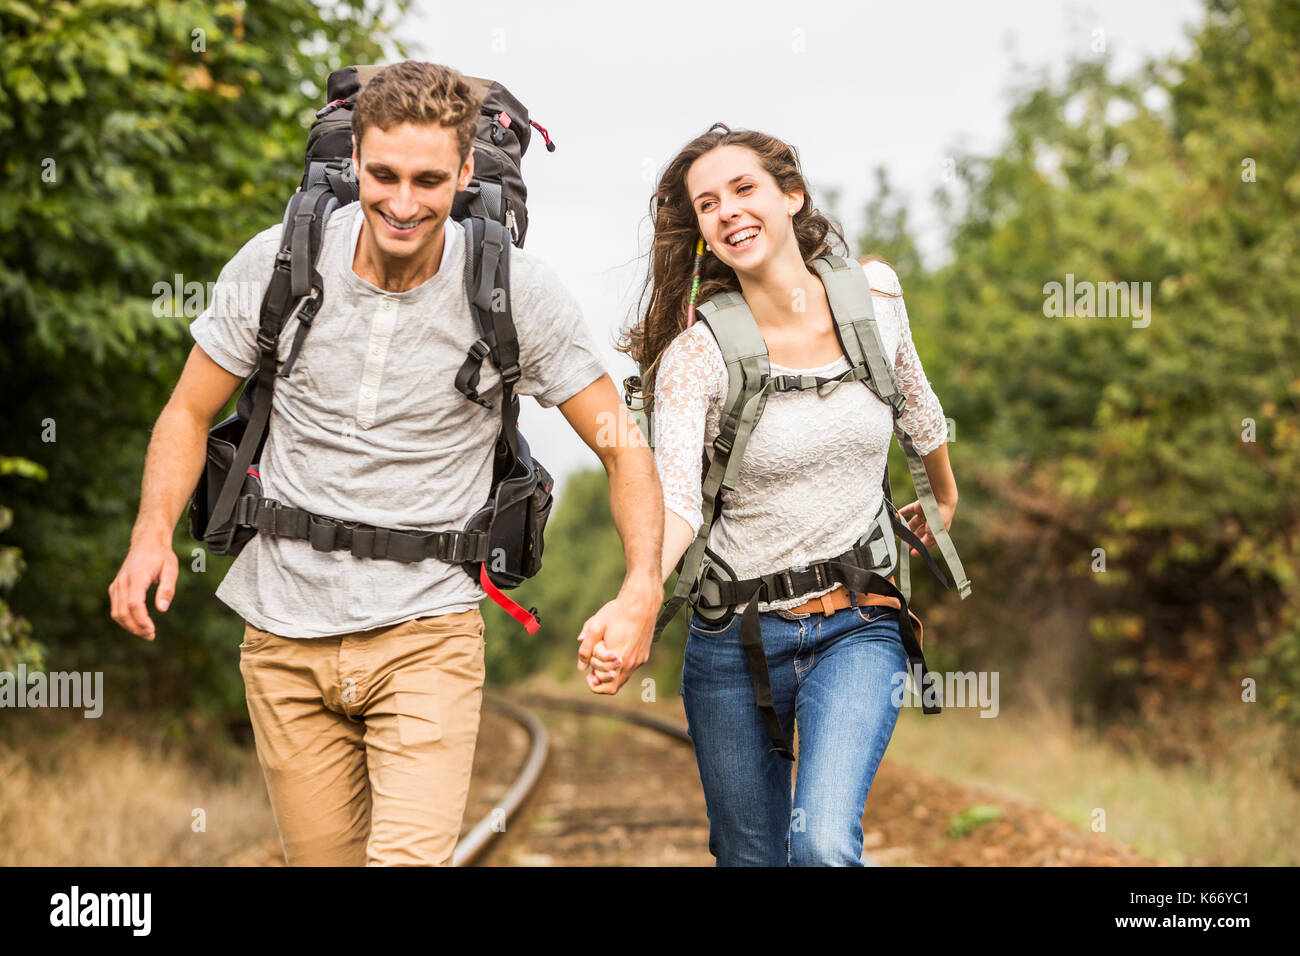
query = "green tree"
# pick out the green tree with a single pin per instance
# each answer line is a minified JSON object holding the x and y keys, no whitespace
{"x":16,"y":643}
{"x":141,"y":141}
{"x":1172,"y":444}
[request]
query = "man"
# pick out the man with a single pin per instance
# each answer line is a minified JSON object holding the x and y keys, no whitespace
{"x":364,"y":677}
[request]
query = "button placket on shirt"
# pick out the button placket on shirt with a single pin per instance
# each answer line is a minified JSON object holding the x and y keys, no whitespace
{"x":382,"y":323}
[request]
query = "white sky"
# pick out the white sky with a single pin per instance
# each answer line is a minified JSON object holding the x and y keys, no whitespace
{"x":621,"y":87}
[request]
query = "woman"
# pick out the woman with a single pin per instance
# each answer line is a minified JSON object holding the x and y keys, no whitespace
{"x":808,"y":486}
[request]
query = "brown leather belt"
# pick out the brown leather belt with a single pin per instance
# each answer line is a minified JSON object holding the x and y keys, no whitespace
{"x":838,"y":599}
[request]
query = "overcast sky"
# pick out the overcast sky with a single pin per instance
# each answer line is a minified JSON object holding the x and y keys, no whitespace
{"x":852,"y":85}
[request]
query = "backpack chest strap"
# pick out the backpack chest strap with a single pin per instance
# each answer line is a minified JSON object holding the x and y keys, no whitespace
{"x":803,"y":383}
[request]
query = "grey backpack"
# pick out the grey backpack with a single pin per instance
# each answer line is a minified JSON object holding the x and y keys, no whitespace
{"x":705,"y":581}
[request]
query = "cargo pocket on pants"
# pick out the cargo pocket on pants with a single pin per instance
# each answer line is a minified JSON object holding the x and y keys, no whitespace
{"x":415,"y":700}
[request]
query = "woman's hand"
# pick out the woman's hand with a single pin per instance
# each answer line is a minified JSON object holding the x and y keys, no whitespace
{"x":920,"y":527}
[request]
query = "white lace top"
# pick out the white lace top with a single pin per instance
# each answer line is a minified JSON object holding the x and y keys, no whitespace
{"x":809,"y":484}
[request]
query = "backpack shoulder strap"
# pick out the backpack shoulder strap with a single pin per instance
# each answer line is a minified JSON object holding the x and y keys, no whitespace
{"x":748,"y":373}
{"x":743,"y":351}
{"x":748,"y":383}
{"x":294,"y":291}
{"x":849,"y":293}
{"x":487,"y":284}
{"x":487,"y":261}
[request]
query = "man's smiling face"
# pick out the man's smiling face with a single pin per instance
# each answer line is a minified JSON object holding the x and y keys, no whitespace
{"x":408,"y":178}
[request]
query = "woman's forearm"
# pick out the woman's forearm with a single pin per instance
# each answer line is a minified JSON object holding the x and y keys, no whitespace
{"x":677,"y":538}
{"x":939,"y":471}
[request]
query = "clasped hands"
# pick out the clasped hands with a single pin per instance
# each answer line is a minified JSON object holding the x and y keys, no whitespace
{"x":616,"y":640}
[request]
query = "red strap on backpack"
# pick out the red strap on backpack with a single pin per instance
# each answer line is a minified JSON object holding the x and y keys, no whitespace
{"x":524,"y":617}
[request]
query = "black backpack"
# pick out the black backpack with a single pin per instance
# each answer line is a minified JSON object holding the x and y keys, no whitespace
{"x":501,"y":546}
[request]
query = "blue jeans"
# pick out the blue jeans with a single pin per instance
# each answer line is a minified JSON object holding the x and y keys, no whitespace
{"x":835,"y":675}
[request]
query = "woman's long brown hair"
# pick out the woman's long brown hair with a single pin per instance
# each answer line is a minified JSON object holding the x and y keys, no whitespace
{"x":666,"y":292}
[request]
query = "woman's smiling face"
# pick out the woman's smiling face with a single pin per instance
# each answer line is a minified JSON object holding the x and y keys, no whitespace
{"x":735,"y":198}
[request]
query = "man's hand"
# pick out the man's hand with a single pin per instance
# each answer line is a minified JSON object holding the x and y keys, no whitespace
{"x":149,"y":561}
{"x":920,"y":527}
{"x":616,"y":640}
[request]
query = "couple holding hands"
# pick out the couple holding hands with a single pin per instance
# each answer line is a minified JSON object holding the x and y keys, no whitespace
{"x":777,"y":374}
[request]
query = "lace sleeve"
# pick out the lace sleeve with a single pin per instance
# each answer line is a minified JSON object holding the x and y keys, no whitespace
{"x":923,"y":418}
{"x":692,"y":379}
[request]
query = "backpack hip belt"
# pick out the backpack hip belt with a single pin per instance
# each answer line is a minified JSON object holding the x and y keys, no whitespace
{"x":866,"y":567}
{"x":268,"y":516}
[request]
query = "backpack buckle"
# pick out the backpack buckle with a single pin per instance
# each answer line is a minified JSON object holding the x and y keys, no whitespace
{"x":305,"y":310}
{"x":631,"y":385}
{"x":328,"y":108}
{"x":462,"y":548}
{"x":511,"y":374}
{"x":787,"y":584}
{"x":490,"y":240}
{"x":246,"y":510}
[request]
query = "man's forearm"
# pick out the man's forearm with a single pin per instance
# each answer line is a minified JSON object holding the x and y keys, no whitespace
{"x":637,"y":507}
{"x":172,"y":467}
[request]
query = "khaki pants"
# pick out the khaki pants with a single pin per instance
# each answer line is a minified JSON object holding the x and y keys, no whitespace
{"x":367,"y":739}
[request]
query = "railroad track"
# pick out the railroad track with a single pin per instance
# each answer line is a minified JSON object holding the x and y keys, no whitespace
{"x":475,"y":843}
{"x":481,"y":836}
{"x":640,"y":820}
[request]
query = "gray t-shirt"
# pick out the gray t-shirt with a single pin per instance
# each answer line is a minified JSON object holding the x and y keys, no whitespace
{"x":369,"y":427}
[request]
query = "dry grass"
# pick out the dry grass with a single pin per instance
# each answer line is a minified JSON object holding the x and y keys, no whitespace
{"x":1237,"y":809}
{"x":78,"y":793}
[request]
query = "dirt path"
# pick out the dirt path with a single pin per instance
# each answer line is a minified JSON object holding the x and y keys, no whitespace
{"x":616,"y":794}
